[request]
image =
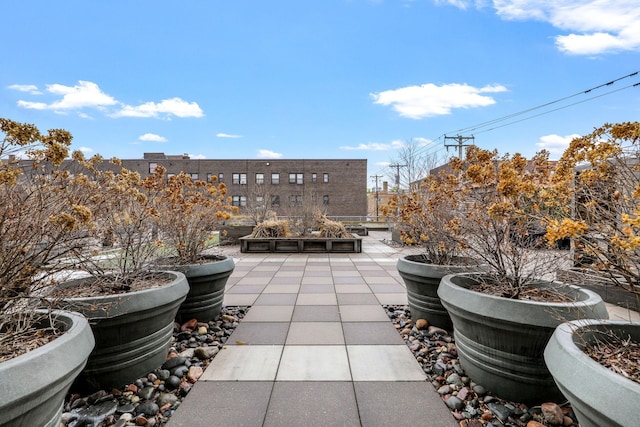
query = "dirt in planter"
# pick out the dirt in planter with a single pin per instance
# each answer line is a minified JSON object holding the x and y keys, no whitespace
{"x":14,"y":344}
{"x":103,"y":286}
{"x":620,"y":355}
{"x":528,"y":293}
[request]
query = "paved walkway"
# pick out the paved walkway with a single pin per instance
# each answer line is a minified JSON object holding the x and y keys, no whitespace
{"x":316,"y":348}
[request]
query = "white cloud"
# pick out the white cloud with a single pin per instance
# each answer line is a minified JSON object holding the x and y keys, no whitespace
{"x":152,"y":137}
{"x":32,"y":89}
{"x":268,"y":154}
{"x":555,"y":144}
{"x":227,"y":135}
{"x":165,"y":108}
{"x":593,"y":26}
{"x":86,"y":149}
{"x":88,"y":95}
{"x":375,"y":146}
{"x":430,"y":100}
{"x":197,"y":156}
{"x":83,"y":95}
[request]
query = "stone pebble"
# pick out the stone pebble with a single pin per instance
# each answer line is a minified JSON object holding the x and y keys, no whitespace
{"x":151,"y":400}
{"x":470,"y":403}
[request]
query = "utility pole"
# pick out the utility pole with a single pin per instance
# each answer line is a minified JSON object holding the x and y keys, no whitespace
{"x":377,"y":199}
{"x":398,"y":166}
{"x":460,"y":144}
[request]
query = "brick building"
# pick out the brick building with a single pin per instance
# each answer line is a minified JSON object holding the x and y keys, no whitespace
{"x":339,"y":187}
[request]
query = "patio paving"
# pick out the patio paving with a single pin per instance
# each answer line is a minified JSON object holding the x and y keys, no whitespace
{"x":316,"y":347}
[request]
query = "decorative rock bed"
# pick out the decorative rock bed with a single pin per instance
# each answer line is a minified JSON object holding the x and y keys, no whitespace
{"x":152,"y":399}
{"x":471,"y":405}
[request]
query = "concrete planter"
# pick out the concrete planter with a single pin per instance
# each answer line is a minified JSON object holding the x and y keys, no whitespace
{"x":132,"y":331}
{"x":501,"y":341}
{"x":598,"y":396}
{"x":33,"y":386}
{"x":422,"y":281}
{"x":207,"y":283}
{"x":301,"y":245}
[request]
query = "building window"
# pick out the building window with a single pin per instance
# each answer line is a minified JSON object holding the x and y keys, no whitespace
{"x":221,"y":177}
{"x":239,"y":201}
{"x":259,"y":201}
{"x":194,"y":176}
{"x":259,"y":178}
{"x":325,"y":199}
{"x":275,"y":201}
{"x":239,"y":178}
{"x":325,"y":177}
{"x":152,"y":167}
{"x":296,"y":178}
{"x":314,"y":177}
{"x":295,"y":200}
{"x":275,"y":178}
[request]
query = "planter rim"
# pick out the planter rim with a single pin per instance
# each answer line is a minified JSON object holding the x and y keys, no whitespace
{"x":357,"y":237}
{"x":118,"y":296}
{"x":590,"y":294}
{"x":569,"y":366}
{"x":564,"y":334}
{"x":213,"y":264}
{"x":78,"y":323}
{"x":116,"y":304}
{"x":589,"y":305}
{"x":78,"y":332}
{"x":206,"y":259}
{"x":408,"y":266}
{"x":472,"y":261}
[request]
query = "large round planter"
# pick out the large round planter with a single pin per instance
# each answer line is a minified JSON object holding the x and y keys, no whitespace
{"x":207,"y":283}
{"x":133,"y":331}
{"x":421,"y":280}
{"x":33,"y":386}
{"x":501,"y":341}
{"x":598,"y":396}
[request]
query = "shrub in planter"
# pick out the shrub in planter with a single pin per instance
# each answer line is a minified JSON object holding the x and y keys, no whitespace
{"x":41,"y":222}
{"x":501,"y":337}
{"x":131,"y":308}
{"x":603,"y":169}
{"x":188,"y":212}
{"x":428,"y":218}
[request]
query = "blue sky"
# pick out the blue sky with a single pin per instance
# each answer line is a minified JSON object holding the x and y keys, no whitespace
{"x":300,"y":79}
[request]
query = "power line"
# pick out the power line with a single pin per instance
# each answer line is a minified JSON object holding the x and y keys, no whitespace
{"x":528,"y":110}
{"x":546,"y":104}
{"x":560,"y":108}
